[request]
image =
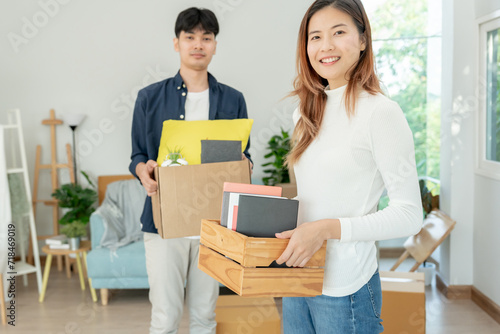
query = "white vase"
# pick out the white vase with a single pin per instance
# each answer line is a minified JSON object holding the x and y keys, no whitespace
{"x":429,"y":270}
{"x":74,"y":243}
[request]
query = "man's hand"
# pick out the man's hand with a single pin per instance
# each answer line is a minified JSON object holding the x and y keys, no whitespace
{"x":145,"y":173}
{"x":244,"y":157}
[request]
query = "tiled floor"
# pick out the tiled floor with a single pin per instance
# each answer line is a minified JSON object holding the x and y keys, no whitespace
{"x":67,"y":309}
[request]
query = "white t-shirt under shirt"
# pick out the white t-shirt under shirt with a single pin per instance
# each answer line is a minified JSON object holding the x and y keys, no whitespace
{"x":342,"y":175}
{"x":197,"y":106}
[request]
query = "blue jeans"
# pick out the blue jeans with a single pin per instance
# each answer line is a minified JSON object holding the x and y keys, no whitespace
{"x":357,"y":313}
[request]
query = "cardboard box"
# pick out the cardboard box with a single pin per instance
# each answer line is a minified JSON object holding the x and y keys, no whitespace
{"x":186,"y":194}
{"x":403,"y":302}
{"x":241,"y":263}
{"x":235,"y":314}
{"x":289,"y":189}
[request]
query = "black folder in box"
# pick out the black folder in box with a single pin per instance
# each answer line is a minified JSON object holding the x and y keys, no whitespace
{"x":264,"y":216}
{"x":220,"y":151}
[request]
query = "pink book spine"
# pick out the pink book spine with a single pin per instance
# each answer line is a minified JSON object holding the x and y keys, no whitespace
{"x":235,"y":217}
{"x":255,"y":189}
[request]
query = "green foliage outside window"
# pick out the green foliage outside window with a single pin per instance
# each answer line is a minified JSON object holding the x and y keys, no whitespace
{"x":493,"y":96}
{"x":400,"y":42}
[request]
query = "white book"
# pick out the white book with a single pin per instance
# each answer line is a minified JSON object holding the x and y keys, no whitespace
{"x":62,"y":246}
{"x":57,"y":240}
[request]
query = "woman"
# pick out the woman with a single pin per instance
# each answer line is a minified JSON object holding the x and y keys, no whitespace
{"x":350,"y":142}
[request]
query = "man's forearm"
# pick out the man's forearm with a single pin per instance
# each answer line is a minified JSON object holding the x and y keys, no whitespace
{"x":139,"y":168}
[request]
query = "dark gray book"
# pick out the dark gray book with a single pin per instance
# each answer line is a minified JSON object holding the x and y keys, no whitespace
{"x":241,"y":188}
{"x":220,"y":151}
{"x":265,"y":216}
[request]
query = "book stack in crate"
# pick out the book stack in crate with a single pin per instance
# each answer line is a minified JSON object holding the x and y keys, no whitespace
{"x":241,"y":249}
{"x":57,"y":242}
{"x":257,"y":210}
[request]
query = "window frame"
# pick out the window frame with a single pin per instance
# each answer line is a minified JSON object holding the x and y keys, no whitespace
{"x":484,"y":167}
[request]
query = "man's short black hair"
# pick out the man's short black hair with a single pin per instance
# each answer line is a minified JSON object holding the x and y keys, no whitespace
{"x":196,"y":17}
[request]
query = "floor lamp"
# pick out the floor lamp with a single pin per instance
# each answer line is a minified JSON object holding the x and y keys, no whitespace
{"x":73,"y":120}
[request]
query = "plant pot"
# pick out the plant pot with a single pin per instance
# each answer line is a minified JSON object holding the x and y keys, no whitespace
{"x":429,"y":270}
{"x":74,"y":243}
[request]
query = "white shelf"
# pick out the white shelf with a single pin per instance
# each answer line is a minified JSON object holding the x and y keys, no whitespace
{"x":14,"y":170}
{"x":23,"y":268}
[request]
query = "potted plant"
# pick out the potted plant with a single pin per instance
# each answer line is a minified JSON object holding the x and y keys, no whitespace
{"x":279,"y":147}
{"x":74,"y":231}
{"x":174,"y":158}
{"x":79,"y":200}
{"x":429,"y":200}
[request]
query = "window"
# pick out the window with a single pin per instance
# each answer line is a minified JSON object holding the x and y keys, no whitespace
{"x":488,"y":159}
{"x":493,"y":95}
{"x":408,"y":55}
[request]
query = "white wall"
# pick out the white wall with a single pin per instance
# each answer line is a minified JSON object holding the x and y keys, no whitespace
{"x":92,"y":57}
{"x":470,"y":256}
{"x":457,"y":144}
{"x":487,"y":237}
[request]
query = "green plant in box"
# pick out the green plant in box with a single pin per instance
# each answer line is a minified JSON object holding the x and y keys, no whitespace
{"x":76,"y":229}
{"x":79,"y":200}
{"x":279,"y":146}
{"x":174,"y":158}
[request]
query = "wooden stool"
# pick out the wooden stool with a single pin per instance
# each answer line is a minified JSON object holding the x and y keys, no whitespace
{"x":84,"y":247}
{"x":437,"y":227}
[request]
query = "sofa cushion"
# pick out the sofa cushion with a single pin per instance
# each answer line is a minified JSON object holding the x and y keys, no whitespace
{"x":120,"y":283}
{"x":127,"y":261}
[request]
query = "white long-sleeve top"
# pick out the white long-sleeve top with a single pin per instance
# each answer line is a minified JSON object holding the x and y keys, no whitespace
{"x":343,"y":173}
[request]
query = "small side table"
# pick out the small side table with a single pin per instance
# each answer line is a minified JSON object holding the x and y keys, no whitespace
{"x":84,"y":247}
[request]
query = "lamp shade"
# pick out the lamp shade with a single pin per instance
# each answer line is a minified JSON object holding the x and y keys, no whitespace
{"x":74,"y":119}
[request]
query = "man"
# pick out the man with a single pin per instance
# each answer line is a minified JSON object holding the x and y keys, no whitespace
{"x":193,"y":94}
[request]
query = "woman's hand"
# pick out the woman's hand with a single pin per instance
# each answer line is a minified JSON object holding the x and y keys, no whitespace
{"x":306,"y":240}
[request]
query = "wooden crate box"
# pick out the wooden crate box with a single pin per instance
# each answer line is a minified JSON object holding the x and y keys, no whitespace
{"x":241,"y":263}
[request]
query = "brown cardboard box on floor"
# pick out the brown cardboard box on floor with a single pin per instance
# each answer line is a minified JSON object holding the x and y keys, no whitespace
{"x":403,"y":302}
{"x":235,"y":314}
{"x":186,"y":194}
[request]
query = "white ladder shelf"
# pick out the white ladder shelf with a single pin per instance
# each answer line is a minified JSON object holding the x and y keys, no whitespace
{"x":22,"y":267}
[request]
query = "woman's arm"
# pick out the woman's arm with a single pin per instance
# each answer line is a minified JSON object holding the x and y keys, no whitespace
{"x":393,"y":151}
{"x":394,"y":154}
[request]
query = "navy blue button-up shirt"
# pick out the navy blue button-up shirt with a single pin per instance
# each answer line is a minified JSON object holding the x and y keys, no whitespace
{"x":165,"y":100}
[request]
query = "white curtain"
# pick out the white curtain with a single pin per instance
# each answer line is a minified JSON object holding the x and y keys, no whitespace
{"x":5,"y":211}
